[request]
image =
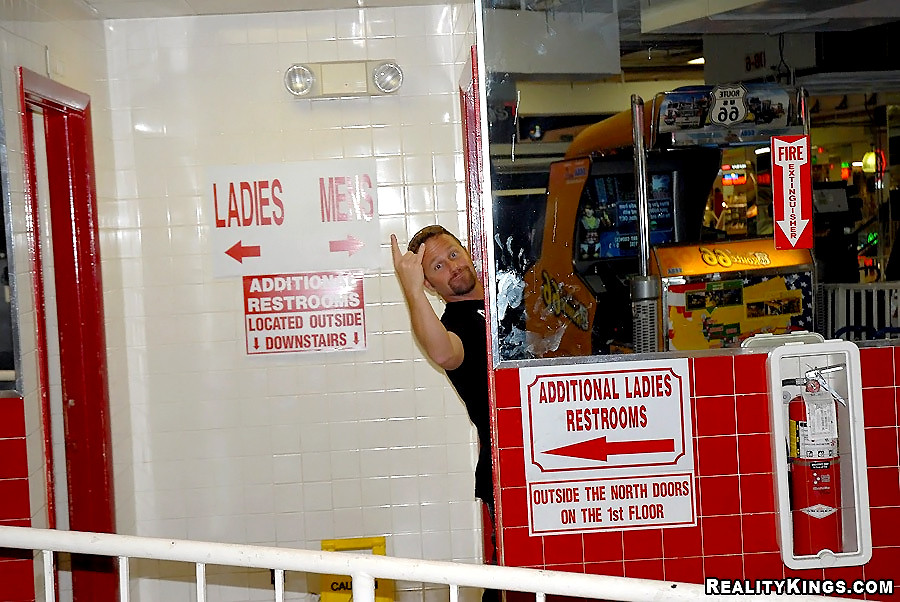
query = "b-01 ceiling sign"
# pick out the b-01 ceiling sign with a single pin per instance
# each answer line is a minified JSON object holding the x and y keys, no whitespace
{"x":608,"y":446}
{"x":288,"y":217}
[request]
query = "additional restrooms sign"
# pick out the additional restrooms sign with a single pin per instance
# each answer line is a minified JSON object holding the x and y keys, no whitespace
{"x":292,"y":313}
{"x":608,"y":446}
{"x":792,"y":192}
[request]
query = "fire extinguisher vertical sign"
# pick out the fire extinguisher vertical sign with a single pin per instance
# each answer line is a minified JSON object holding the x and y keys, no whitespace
{"x":792,"y":192}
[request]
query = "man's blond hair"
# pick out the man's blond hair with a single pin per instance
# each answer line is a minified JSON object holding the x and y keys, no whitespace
{"x":428,"y":232}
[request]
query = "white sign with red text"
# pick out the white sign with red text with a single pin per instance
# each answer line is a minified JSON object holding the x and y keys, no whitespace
{"x":608,"y":446}
{"x":293,"y":216}
{"x":792,"y":192}
{"x":313,"y":311}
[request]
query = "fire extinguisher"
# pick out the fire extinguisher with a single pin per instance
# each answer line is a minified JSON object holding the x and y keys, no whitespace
{"x":815,"y":475}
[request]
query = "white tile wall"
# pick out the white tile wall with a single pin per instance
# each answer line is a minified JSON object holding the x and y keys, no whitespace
{"x":210,"y":443}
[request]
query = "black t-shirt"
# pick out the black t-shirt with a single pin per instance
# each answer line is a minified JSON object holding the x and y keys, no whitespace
{"x":466,"y":320}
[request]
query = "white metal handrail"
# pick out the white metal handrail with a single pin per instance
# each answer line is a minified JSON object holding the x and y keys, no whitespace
{"x":363,"y":569}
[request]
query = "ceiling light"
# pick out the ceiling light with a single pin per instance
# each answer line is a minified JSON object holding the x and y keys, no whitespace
{"x":387,"y":77}
{"x":873,"y":162}
{"x":697,"y":61}
{"x":299,"y":79}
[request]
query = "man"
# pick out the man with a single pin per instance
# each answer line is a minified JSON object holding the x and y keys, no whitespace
{"x":436,"y":260}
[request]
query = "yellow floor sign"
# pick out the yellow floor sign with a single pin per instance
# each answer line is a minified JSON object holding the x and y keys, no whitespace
{"x":339,"y":588}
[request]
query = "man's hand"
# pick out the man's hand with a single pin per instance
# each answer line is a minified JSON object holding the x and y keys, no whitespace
{"x":409,"y":268}
{"x":443,"y":347}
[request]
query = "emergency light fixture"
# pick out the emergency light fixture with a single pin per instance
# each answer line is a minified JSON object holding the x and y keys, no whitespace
{"x":343,"y":79}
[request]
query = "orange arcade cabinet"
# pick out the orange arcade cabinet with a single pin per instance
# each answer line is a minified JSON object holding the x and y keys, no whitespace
{"x":577,"y":296}
{"x":718,"y":295}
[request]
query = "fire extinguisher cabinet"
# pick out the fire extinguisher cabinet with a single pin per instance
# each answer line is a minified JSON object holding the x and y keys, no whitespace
{"x":819,"y":454}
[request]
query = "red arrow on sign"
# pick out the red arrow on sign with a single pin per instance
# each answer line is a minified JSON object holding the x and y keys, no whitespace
{"x":350,"y":244}
{"x":238,"y":252}
{"x":600,"y":448}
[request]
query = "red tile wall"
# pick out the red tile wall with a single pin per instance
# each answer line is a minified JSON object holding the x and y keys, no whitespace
{"x":735,"y":537}
{"x":16,"y":566}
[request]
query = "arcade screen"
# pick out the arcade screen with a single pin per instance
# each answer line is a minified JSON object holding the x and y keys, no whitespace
{"x":608,"y":220}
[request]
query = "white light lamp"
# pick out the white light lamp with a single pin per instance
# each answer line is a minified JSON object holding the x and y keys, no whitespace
{"x":387,"y":77}
{"x":299,"y":79}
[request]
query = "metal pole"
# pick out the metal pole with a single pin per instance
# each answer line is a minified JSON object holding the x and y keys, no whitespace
{"x":640,"y":182}
{"x":644,"y":287}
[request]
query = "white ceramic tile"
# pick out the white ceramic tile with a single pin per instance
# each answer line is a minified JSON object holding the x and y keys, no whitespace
{"x":386,"y":141}
{"x":348,"y":522}
{"x":418,"y":169}
{"x":407,"y":545}
{"x":288,"y":497}
{"x":347,"y":494}
{"x":290,"y":26}
{"x":322,"y":25}
{"x":357,"y":142}
{"x":436,"y":546}
{"x":379,"y":48}
{"x":260,"y":29}
{"x":422,"y":50}
{"x":345,"y":464}
{"x":322,"y":51}
{"x":420,"y":198}
{"x":415,"y":140}
{"x":377,"y":519}
{"x":411,"y":21}
{"x":380,"y":22}
{"x":256,"y":434}
{"x":352,"y":50}
{"x":319,"y":525}
{"x":290,"y":529}
{"x":259,"y":499}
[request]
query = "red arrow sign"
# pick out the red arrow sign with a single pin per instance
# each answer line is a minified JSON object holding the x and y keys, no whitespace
{"x":350,"y":244}
{"x":600,"y":448}
{"x":238,"y":252}
{"x":792,"y":192}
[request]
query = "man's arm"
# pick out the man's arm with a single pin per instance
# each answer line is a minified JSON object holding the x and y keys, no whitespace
{"x":443,"y":347}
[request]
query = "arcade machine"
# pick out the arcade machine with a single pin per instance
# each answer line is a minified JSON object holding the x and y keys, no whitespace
{"x":719,"y":294}
{"x":578,"y":296}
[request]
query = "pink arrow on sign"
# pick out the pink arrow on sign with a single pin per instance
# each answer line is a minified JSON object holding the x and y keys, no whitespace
{"x":600,"y":448}
{"x":350,"y":244}
{"x":239,"y":251}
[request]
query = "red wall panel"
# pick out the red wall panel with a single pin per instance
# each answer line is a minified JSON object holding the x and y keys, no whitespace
{"x":16,"y":566}
{"x":735,"y":537}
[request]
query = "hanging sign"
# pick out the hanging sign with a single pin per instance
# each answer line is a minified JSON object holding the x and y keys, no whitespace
{"x":312,"y":215}
{"x":293,"y":313}
{"x":792,"y":192}
{"x":608,"y":446}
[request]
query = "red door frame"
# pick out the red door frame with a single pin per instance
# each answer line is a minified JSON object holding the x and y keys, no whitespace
{"x":82,"y":338}
{"x":470,"y":111}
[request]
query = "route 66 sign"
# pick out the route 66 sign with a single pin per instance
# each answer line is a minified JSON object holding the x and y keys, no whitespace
{"x":729,"y":105}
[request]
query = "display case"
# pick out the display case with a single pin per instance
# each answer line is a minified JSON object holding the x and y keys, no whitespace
{"x":819,"y":454}
{"x":716,"y":295}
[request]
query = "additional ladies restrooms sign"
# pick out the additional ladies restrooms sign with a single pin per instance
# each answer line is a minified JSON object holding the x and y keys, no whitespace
{"x":613,"y":449}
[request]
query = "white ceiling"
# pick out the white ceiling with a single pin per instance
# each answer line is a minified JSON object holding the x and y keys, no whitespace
{"x":136,"y":9}
{"x":765,"y":16}
{"x":668,"y":16}
{"x":673,"y":29}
